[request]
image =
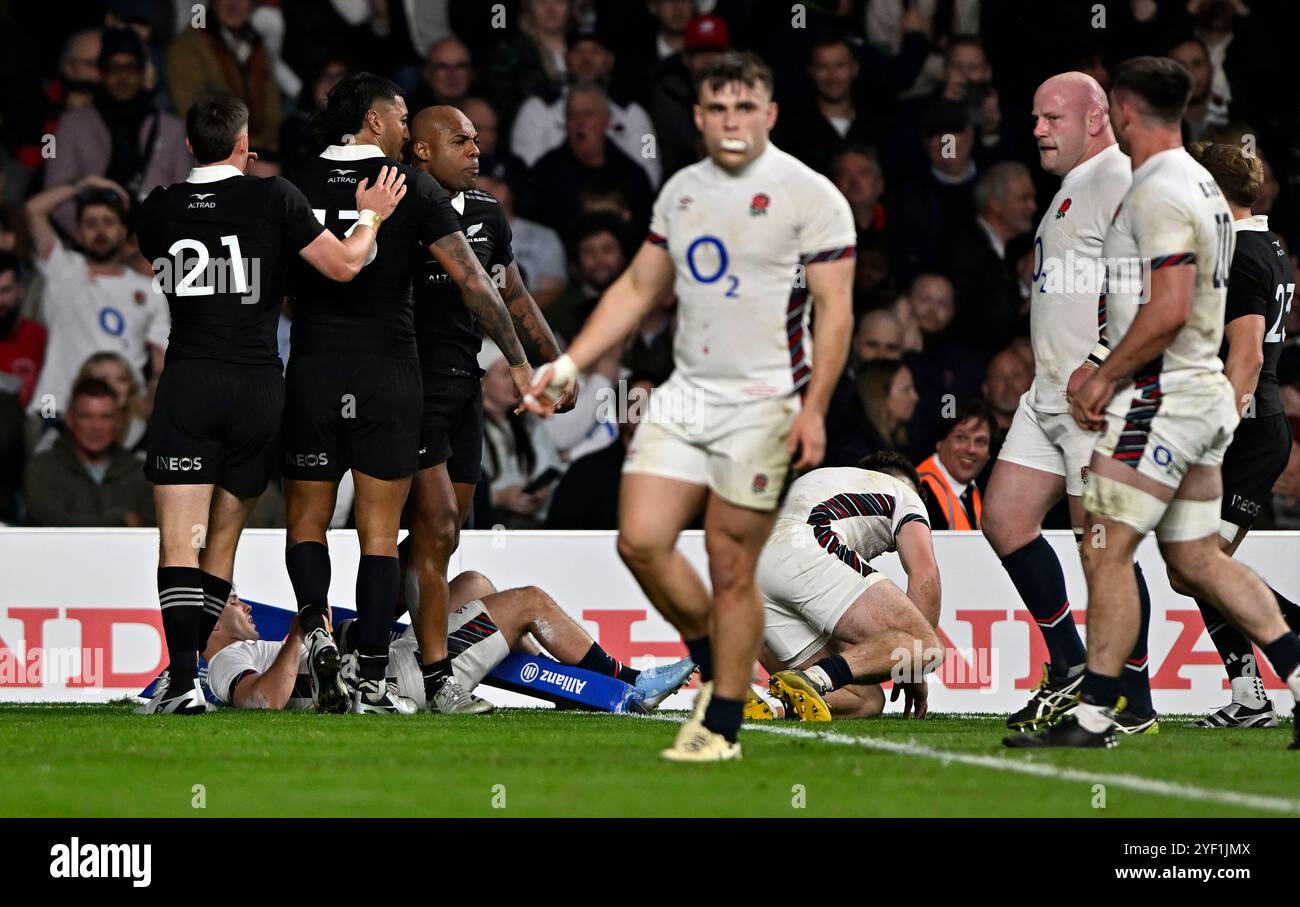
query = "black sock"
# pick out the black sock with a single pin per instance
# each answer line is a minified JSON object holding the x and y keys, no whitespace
{"x":600,"y":661}
{"x":837,"y":669}
{"x":372,"y":667}
{"x":435,"y":674}
{"x":377,"y":581}
{"x":1098,"y":689}
{"x":1233,"y":647}
{"x":308,"y":564}
{"x":702,"y":654}
{"x":215,"y":592}
{"x":1035,"y":571}
{"x":722,"y":716}
{"x":1283,"y":654}
{"x":1135,"y":682}
{"x":180,"y":594}
{"x":1290,"y":610}
{"x":343,"y":637}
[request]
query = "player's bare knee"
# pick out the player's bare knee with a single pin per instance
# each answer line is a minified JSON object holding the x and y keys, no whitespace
{"x":477,"y":584}
{"x":639,"y":553}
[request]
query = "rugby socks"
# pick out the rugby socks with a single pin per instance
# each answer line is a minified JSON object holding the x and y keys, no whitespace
{"x":722,"y":716}
{"x":831,"y":673}
{"x":1099,"y":695}
{"x":377,"y":580}
{"x":180,"y":594}
{"x":702,"y":654}
{"x":600,"y":661}
{"x":1135,"y":683}
{"x":1233,"y":647}
{"x":309,"y":572}
{"x":1283,"y":654}
{"x":435,"y":674}
{"x":1036,"y":573}
{"x":215,"y":593}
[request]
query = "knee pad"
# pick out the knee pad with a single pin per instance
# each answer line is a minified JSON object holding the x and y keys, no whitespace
{"x":1114,"y":500}
{"x":1187,"y":521}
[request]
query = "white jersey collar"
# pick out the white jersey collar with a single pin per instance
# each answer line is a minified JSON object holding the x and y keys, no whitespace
{"x":212,"y":173}
{"x":352,"y":152}
{"x":1256,"y":223}
{"x":958,"y":489}
{"x":1110,"y":152}
{"x":753,"y":167}
{"x":458,"y":202}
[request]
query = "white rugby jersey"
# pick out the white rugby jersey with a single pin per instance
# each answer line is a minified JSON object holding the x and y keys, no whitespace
{"x":1069,"y":272}
{"x":91,"y":313}
{"x":1173,"y":215}
{"x":855,"y":514}
{"x":737,"y":242}
{"x":237,"y":659}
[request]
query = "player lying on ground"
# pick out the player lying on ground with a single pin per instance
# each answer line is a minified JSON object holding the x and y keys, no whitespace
{"x":1046,"y":453}
{"x":834,"y":629}
{"x":1165,"y":409}
{"x":252,"y":673}
{"x":1260,"y":288}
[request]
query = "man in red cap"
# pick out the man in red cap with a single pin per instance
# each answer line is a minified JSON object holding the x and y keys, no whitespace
{"x":673,"y":96}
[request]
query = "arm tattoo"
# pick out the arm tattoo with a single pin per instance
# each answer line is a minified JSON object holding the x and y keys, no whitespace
{"x":529,"y":322}
{"x":481,"y":297}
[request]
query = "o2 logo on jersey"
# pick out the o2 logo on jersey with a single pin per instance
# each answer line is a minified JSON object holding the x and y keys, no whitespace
{"x":707,"y":259}
{"x":1163,"y":457}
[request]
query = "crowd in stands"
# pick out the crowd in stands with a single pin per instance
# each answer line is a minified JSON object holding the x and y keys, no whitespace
{"x":919,"y":112}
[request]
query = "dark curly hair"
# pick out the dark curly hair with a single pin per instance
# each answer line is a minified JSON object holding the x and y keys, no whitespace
{"x":347,"y":104}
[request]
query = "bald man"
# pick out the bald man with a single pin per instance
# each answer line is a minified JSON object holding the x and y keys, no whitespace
{"x":444,"y":144}
{"x":1046,"y":453}
{"x":879,"y":336}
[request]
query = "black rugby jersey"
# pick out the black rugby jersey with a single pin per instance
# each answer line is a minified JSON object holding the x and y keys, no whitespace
{"x":449,"y":335}
{"x":220,"y":244}
{"x":372,"y":312}
{"x":1262,"y":282}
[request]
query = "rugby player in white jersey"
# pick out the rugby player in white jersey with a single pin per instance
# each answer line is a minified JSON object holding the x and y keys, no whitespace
{"x":1162,"y":403}
{"x":830,"y":620}
{"x":1046,"y":453}
{"x":748,"y":235}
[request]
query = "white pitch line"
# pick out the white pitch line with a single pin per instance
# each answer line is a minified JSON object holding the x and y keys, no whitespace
{"x":1036,"y":769}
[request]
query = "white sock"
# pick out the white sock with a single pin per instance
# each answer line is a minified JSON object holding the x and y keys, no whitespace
{"x":820,"y":678}
{"x":1094,"y":718}
{"x":1248,"y":690}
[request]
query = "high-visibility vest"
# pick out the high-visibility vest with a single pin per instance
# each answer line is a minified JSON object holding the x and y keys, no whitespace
{"x":948,"y":501}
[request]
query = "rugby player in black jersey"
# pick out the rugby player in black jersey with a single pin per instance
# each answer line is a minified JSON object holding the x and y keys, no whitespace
{"x":219,"y":243}
{"x":353,"y":386}
{"x":444,"y":144}
{"x":1260,"y":287}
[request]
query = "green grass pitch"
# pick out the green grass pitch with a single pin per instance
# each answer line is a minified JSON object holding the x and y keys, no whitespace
{"x":105,"y":761}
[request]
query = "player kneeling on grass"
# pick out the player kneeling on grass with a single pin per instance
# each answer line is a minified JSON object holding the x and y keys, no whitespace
{"x":834,"y":628}
{"x":248,"y":672}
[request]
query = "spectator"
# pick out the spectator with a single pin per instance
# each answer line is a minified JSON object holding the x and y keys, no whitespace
{"x":516,"y":449}
{"x":446,"y":78}
{"x":587,"y":496}
{"x":92,"y":301}
{"x":599,"y":255}
{"x":951,"y":496}
{"x":121,"y":135}
{"x":297,"y":144}
{"x":888,"y":23}
{"x":665,"y":38}
{"x":540,"y":124}
{"x":672,"y":95}
{"x":114,"y":370}
{"x":228,"y":56}
{"x":879,"y":336}
{"x":22,"y":341}
{"x":819,"y":127}
{"x":86,"y":478}
{"x":913,"y":339}
{"x":975,"y":258}
{"x":80,"y":69}
{"x":533,"y":60}
{"x":538,"y":249}
{"x":586,"y":154}
{"x":946,"y":368}
{"x":931,"y":205}
{"x":1201,"y":112}
{"x":137,"y":15}
{"x":1007,"y":380}
{"x":649,"y":351}
{"x":856,"y":173}
{"x":885,"y":402}
{"x":494,"y":157}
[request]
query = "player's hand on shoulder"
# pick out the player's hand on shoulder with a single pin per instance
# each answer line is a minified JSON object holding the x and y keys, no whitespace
{"x":383,"y":196}
{"x":807,"y":440}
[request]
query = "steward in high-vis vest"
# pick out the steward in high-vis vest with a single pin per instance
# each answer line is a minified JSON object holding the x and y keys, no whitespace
{"x":948,"y":476}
